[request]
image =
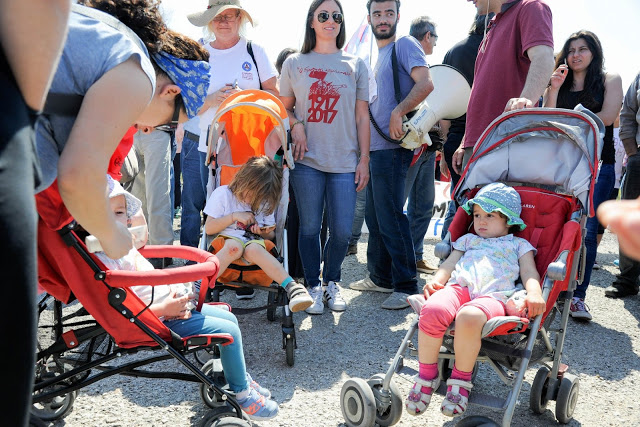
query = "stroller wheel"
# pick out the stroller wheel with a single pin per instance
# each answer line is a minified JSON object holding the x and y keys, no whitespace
{"x":209,"y":396}
{"x":290,"y":346}
{"x":223,"y":417}
{"x":55,"y":408}
{"x":392,"y":414}
{"x":538,"y":395}
{"x":358,"y":403}
{"x":477,"y":421}
{"x":567,"y":398}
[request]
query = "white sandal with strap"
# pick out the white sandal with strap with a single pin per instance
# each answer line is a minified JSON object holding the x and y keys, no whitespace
{"x":417,"y":401}
{"x":454,"y":403}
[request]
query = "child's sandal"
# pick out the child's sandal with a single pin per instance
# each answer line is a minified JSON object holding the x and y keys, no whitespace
{"x":454,"y":403}
{"x":417,"y":401}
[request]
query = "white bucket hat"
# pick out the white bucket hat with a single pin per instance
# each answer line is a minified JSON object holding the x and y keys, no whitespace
{"x":216,"y":7}
{"x":115,"y":189}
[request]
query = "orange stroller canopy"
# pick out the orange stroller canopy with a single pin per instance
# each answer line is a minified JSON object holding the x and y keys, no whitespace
{"x":250,"y":116}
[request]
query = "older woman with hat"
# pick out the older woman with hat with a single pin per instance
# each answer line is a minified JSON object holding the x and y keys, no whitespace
{"x":236,"y":64}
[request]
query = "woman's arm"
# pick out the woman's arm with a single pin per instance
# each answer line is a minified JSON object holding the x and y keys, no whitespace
{"x":298,"y":134}
{"x":103,"y":119}
{"x":271,"y":86}
{"x":364,"y":140}
{"x":612,"y":99}
{"x":531,"y":279}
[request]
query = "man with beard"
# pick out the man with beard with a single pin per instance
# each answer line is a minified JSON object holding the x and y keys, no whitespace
{"x":391,"y":260}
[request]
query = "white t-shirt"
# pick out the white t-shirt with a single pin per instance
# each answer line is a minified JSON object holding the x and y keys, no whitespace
{"x":222,"y":202}
{"x":233,"y":64}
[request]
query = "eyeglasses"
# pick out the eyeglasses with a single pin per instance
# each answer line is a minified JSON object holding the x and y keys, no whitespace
{"x":173,"y":124}
{"x":435,"y":36}
{"x":324,"y":17}
{"x":226,"y":18}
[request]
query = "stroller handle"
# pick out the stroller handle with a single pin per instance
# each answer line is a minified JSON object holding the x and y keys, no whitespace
{"x":206,"y":268}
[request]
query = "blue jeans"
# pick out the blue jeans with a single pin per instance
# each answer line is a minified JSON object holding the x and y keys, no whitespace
{"x":358,"y":217}
{"x":212,"y":320}
{"x":312,"y":187}
{"x":193,"y":194}
{"x":419,"y":188}
{"x":606,"y":182}
{"x":391,"y":259}
{"x":629,"y":267}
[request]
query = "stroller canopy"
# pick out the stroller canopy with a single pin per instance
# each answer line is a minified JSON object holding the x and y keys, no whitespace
{"x":249,"y":119}
{"x":556,"y":148}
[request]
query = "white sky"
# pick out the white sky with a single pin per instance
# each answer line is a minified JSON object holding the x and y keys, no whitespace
{"x":281,"y":24}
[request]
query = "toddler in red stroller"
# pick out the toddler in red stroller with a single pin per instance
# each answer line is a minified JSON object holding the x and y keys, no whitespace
{"x":167,"y":315}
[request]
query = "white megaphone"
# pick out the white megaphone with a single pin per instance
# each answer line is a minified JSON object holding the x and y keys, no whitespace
{"x":448,"y":101}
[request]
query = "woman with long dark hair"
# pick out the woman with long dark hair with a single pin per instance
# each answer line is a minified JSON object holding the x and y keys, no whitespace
{"x":580,"y":78}
{"x":325,"y":91}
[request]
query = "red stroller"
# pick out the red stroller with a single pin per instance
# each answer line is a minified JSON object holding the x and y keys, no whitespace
{"x":84,"y":342}
{"x":550,"y":156}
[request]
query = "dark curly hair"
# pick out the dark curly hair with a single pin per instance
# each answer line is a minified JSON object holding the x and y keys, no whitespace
{"x":143,"y":18}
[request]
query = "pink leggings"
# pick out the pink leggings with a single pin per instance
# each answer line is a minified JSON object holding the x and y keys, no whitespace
{"x":442,"y":307}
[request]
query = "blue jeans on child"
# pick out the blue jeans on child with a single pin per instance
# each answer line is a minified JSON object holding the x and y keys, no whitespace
{"x":213,"y":320}
{"x":193,"y":193}
{"x":391,"y":259}
{"x":311,"y":188}
{"x":603,"y":187}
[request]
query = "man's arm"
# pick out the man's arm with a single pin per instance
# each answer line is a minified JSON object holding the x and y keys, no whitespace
{"x":538,"y":77}
{"x":422,"y":88}
{"x":32,"y":34}
{"x":628,"y":120}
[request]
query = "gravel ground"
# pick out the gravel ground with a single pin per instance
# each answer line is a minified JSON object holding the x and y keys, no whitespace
{"x":361,"y":341}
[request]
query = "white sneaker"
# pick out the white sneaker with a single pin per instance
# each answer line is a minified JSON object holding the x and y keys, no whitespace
{"x":333,"y":298}
{"x":318,"y":305}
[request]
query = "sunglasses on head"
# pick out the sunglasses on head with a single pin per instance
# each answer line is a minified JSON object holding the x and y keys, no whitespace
{"x":173,"y":124}
{"x":324,"y":17}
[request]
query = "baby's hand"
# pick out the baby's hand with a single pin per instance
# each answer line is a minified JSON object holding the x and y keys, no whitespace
{"x":245,"y":218}
{"x":535,"y":304}
{"x":431,"y":287}
{"x":175,"y":307}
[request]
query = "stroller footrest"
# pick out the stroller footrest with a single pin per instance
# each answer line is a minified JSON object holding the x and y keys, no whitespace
{"x":207,"y":340}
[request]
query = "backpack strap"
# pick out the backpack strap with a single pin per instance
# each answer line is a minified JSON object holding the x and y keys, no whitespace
{"x":253,"y":58}
{"x":398,"y":95}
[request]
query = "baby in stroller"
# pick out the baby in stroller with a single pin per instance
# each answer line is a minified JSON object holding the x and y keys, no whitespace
{"x":172,"y":303}
{"x":242,"y":213}
{"x":472,"y":286}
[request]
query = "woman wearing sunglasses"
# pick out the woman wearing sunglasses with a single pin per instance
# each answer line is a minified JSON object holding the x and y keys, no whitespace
{"x":326,"y":94}
{"x":118,"y":69}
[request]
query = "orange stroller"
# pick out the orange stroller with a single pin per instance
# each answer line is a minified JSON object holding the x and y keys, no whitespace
{"x":253,"y":123}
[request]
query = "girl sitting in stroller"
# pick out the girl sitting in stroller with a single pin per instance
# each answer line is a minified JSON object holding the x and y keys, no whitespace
{"x":243,"y":213}
{"x":480,"y":276}
{"x":173,"y":305}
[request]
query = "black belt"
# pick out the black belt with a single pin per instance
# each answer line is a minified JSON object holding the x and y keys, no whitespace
{"x":192,"y":136}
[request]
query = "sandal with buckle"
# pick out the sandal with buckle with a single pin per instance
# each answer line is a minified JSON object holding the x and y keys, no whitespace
{"x":417,"y":401}
{"x":454,"y":403}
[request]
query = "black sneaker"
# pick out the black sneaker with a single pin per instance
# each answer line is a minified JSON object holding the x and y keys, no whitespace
{"x":245,"y":293}
{"x":618,"y":291}
{"x":353,"y":249}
